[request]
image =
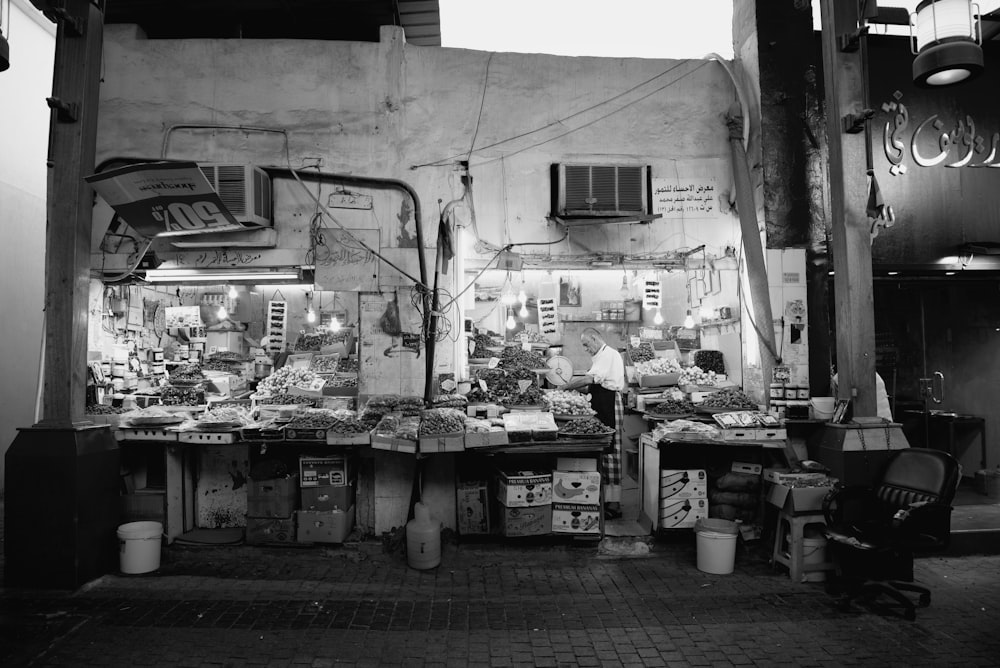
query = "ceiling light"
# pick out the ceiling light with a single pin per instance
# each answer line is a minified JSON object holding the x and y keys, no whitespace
{"x":511,"y":323}
{"x":222,"y":313}
{"x":946,"y":38}
{"x":217,"y":276}
{"x":334,"y":324}
{"x":689,"y":320}
{"x":658,"y":318}
{"x":524,"y":310}
{"x":232,"y":292}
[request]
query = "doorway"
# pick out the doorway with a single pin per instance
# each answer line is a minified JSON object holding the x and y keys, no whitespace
{"x":938,"y":350}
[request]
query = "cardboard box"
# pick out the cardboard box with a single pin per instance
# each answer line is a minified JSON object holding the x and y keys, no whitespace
{"x":323,"y":526}
{"x":262,"y":530}
{"x":533,"y":521}
{"x":315,"y":471}
{"x":442,"y":443}
{"x":495,"y":436}
{"x":518,"y":489}
{"x":659,"y":380}
{"x":327,"y":497}
{"x":576,"y":487}
{"x":746,"y":467}
{"x":683,"y":484}
{"x":140,"y":434}
{"x":403,"y":445}
{"x":784,"y":476}
{"x":472,"y":507}
{"x":484,"y":411}
{"x":576,"y":518}
{"x":798,"y":500}
{"x":576,"y":463}
{"x":272,"y":498}
{"x":348,"y":439}
{"x":224,"y":341}
{"x":683,"y":513}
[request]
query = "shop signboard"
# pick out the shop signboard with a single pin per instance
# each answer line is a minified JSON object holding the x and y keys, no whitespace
{"x":165,"y":199}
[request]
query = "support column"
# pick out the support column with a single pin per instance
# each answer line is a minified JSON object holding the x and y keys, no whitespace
{"x":844,"y":79}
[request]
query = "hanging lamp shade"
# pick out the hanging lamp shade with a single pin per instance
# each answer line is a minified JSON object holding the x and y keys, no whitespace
{"x":945,"y":35}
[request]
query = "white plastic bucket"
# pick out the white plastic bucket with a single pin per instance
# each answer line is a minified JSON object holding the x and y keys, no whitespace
{"x":813,"y":554}
{"x":822,"y":407}
{"x":139,"y":547}
{"x":716,"y":543}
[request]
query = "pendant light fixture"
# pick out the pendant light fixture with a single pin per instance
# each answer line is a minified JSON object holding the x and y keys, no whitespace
{"x":310,"y":313}
{"x":511,"y":323}
{"x":524,"y":310}
{"x":946,"y":37}
{"x":689,"y":320}
{"x":232,"y":292}
{"x":507,"y":295}
{"x":625,"y":291}
{"x":658,"y":318}
{"x":522,"y":296}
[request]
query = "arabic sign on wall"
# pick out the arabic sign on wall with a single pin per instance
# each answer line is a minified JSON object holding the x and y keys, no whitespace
{"x":691,"y":197}
{"x":344,"y":265}
{"x":165,"y":199}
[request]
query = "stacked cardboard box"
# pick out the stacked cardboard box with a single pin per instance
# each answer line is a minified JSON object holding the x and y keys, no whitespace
{"x":525,"y":502}
{"x":271,"y":510}
{"x":683,"y":497}
{"x":327,"y":499}
{"x":472,"y":507}
{"x":576,"y":500}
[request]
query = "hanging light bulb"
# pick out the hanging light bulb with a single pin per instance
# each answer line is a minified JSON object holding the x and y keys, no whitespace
{"x":625,"y":291}
{"x":658,"y":318}
{"x":222,"y":313}
{"x":334,"y":324}
{"x":310,"y":315}
{"x":232,"y":292}
{"x":688,"y":320}
{"x":507,"y":296}
{"x":522,"y":296}
{"x":511,"y":323}
{"x":524,"y":310}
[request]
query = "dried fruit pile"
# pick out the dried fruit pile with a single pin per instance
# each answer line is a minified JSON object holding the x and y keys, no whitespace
{"x":312,"y":418}
{"x":311,"y":342}
{"x":694,"y":375}
{"x":103,"y":409}
{"x":585,"y":426}
{"x":563,"y":402}
{"x":346,"y":422}
{"x":399,"y":427}
{"x":284,"y":378}
{"x":187,"y":373}
{"x":671,"y":407}
{"x":449,"y":401}
{"x":182,"y":396}
{"x":482,"y":345}
{"x":437,"y":421}
{"x":290,"y":400}
{"x":342,"y":381}
{"x":225,"y":414}
{"x":348,"y":365}
{"x":731,"y":397}
{"x":658,"y":366}
{"x":532,"y":396}
{"x":710,"y":360}
{"x":515,"y":358}
{"x":325,"y":363}
{"x":642,"y":353}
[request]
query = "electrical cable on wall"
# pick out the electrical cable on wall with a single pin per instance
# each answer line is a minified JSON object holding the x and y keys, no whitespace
{"x":559,"y":122}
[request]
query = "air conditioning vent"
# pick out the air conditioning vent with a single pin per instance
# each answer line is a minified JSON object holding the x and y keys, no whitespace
{"x":244,"y":189}
{"x":600,"y":190}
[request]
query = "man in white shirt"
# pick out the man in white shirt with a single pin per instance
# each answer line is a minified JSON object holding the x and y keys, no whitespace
{"x":605,"y":381}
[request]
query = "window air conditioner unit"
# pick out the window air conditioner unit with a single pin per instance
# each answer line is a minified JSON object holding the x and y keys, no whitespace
{"x":601,"y":190}
{"x":244,"y":189}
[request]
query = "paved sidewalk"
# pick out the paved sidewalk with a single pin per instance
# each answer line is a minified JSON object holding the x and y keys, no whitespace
{"x":490,"y":604}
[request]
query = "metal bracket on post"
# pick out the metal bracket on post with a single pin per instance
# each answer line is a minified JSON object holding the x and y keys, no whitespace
{"x":854,"y":122}
{"x":66,"y":112}
{"x":55,"y":11}
{"x":850,"y":42}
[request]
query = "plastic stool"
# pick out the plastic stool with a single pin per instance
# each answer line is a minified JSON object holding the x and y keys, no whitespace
{"x":792,"y":527}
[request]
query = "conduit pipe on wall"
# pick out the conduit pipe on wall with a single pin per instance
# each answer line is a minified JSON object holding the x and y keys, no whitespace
{"x":739,"y":138}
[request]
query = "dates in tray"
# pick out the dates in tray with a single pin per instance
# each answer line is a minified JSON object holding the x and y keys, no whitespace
{"x":585,"y":426}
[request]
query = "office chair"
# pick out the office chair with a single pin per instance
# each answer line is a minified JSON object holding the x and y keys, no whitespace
{"x":873,"y":532}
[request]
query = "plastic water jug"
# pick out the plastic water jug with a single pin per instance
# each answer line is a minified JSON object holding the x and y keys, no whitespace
{"x":423,"y":539}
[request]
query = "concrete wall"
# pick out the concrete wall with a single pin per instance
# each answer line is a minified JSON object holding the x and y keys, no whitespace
{"x":23,"y":146}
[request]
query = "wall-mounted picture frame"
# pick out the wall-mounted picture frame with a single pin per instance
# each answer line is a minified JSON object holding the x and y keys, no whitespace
{"x":569,"y":291}
{"x":841,"y":412}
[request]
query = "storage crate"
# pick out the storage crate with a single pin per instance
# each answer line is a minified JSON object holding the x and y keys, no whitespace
{"x":327,"y":497}
{"x":524,"y":488}
{"x":533,"y":521}
{"x":265,"y":530}
{"x":576,"y":487}
{"x":315,"y":471}
{"x":272,"y":498}
{"x":576,"y":518}
{"x":323,"y":526}
{"x":472,"y":507}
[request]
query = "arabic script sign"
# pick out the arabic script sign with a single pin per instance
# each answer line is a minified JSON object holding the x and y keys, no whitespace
{"x":165,"y":199}
{"x":685,"y":198}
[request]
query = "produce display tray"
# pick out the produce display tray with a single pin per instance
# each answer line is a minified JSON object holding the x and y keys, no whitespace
{"x":156,"y":421}
{"x":562,"y":417}
{"x":293,"y":434}
{"x":598,"y":436}
{"x":140,"y":434}
{"x":708,"y":410}
{"x":200,"y":437}
{"x":667,"y":416}
{"x":348,"y":439}
{"x":218,"y":426}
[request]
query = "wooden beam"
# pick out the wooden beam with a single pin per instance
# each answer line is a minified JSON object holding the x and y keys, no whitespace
{"x":843,"y":75}
{"x":73,"y":133}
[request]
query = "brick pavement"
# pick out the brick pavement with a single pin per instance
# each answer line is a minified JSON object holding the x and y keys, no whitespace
{"x":540,"y":604}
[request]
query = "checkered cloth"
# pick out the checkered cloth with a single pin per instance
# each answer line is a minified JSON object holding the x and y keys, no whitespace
{"x":613,"y":460}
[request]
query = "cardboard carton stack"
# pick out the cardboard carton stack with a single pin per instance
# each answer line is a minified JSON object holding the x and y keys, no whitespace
{"x":271,"y":506}
{"x":576,"y":497}
{"x":683,"y":497}
{"x":327,"y":495}
{"x":525,"y":502}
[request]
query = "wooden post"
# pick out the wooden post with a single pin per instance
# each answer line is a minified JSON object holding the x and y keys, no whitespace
{"x":843,"y":75}
{"x":72,"y":139}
